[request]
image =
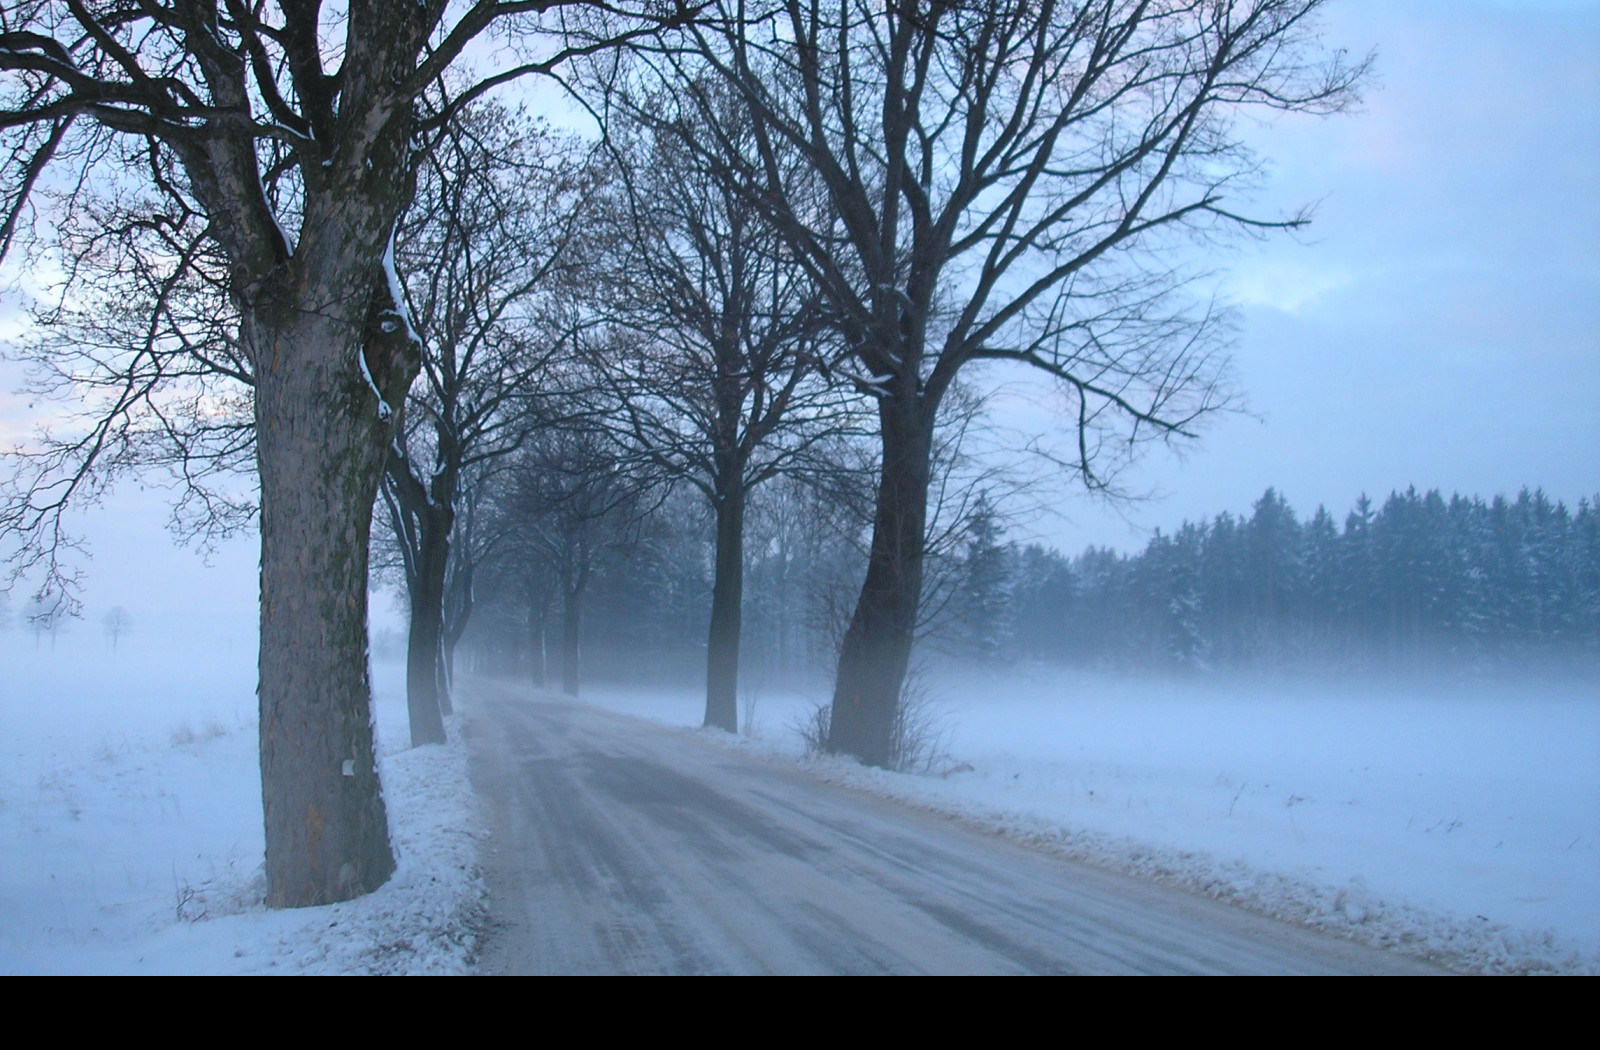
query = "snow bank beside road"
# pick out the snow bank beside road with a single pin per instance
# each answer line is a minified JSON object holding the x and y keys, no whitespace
{"x":130,"y":808}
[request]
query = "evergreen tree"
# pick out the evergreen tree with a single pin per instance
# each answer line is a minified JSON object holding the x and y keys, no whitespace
{"x":982,"y":600}
{"x":1041,"y":599}
{"x":1223,"y":590}
{"x":1322,"y":557}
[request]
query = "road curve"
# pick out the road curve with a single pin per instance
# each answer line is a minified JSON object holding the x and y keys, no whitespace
{"x":622,"y":847}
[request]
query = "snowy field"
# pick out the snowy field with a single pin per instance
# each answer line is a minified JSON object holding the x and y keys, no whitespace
{"x":1454,"y":822}
{"x":1461,"y":823}
{"x":130,"y":812}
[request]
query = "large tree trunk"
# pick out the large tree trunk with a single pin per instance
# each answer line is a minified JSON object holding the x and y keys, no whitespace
{"x":425,"y":699}
{"x":321,"y":443}
{"x":422,"y":528}
{"x":727,"y":599}
{"x":877,"y":645}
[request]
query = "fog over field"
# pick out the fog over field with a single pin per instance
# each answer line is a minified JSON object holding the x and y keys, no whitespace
{"x":1454,"y":821}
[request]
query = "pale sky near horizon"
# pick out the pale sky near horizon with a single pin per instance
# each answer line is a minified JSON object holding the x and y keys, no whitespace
{"x":1439,"y":326}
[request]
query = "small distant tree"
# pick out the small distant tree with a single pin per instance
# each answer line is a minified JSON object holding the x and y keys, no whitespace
{"x":117,"y":623}
{"x":44,"y":614}
{"x":571,"y":504}
{"x":806,"y":549}
{"x":719,"y":375}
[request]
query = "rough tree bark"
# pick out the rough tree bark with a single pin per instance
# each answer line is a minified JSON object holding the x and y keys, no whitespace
{"x":321,"y":435}
{"x":332,"y":351}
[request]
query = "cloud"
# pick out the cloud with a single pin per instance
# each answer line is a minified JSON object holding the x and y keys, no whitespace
{"x":1283,"y":285}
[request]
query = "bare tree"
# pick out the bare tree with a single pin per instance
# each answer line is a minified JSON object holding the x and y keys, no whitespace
{"x":492,"y":245}
{"x":43,"y":614}
{"x":1003,"y":179}
{"x":117,"y":623}
{"x":572,"y":503}
{"x":718,"y":372}
{"x":291,"y":127}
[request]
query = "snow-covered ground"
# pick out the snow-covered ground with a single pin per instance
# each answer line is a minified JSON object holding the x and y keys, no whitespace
{"x":130,"y":817}
{"x":1458,"y":822}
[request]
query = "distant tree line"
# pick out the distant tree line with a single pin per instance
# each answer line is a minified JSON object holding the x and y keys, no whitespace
{"x":1418,"y":582}
{"x":647,"y":566}
{"x":1418,"y":579}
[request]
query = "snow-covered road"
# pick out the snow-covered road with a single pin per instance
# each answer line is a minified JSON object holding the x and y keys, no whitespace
{"x":622,"y":847}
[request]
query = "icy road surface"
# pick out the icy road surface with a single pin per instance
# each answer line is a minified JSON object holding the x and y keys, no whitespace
{"x":621,"y":847}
